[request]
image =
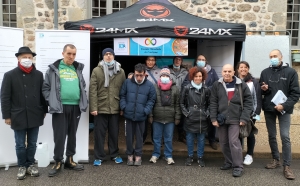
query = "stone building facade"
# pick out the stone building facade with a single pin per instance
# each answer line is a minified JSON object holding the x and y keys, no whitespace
{"x":268,"y":15}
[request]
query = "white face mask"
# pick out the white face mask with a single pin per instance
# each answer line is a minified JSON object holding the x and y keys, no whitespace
{"x":26,"y":62}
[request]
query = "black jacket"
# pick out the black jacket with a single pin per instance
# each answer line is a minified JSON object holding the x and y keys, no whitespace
{"x":232,"y":109}
{"x":194,"y":106}
{"x":22,"y":100}
{"x":281,"y":78}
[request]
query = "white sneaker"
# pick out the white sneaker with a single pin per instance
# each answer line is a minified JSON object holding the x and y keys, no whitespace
{"x":170,"y":161}
{"x":248,"y":160}
{"x":153,"y":159}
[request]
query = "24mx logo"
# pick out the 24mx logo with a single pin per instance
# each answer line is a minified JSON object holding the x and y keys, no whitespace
{"x":209,"y":31}
{"x":149,"y":41}
{"x":116,"y":30}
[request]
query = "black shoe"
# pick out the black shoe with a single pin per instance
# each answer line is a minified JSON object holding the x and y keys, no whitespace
{"x":225,"y":167}
{"x":70,"y":164}
{"x":201,"y":162}
{"x":237,"y":173}
{"x":55,"y":169}
{"x":189,"y":161}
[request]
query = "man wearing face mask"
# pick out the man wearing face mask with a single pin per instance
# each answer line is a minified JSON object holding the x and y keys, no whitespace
{"x":105,"y":85}
{"x":178,"y":74}
{"x":137,"y":97}
{"x":279,"y":76}
{"x":211,"y":78}
{"x":24,"y":108}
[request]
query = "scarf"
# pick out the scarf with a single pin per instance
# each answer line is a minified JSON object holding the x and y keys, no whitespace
{"x":26,"y":70}
{"x":198,"y":87}
{"x":115,"y":70}
{"x":163,"y":86}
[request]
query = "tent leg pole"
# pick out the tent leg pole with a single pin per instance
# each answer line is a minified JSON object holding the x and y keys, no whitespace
{"x":55,"y":14}
{"x":243,"y":51}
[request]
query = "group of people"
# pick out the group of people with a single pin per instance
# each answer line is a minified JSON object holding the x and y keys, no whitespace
{"x":195,"y":100}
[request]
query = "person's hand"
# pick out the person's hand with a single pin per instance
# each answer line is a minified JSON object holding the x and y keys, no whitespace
{"x":215,"y":123}
{"x":8,"y":121}
{"x":264,"y":86}
{"x":242,"y":123}
{"x":177,"y":121}
{"x":150,"y":120}
{"x":121,"y":113}
{"x":279,"y":108}
{"x":94,"y":113}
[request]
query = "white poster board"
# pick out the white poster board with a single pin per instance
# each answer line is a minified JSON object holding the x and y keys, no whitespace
{"x":217,"y":53}
{"x":49,"y":48}
{"x":11,"y":39}
{"x":257,"y":49}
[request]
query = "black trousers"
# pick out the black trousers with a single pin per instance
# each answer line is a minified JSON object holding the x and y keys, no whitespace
{"x":145,"y":133}
{"x":65,"y":124}
{"x":134,"y":128}
{"x":104,"y":122}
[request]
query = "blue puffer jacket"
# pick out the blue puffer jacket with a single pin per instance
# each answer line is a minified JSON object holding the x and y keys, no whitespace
{"x":136,"y":101}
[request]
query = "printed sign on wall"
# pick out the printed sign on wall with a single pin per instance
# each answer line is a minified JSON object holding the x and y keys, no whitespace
{"x":151,"y":46}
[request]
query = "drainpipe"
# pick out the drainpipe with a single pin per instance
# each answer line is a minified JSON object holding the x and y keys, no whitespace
{"x":55,"y":14}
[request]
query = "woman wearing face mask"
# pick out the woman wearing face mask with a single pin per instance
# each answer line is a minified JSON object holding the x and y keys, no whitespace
{"x":194,"y":103}
{"x":166,"y":113}
{"x":242,"y":71}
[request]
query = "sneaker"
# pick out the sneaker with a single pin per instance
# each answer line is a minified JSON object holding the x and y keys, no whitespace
{"x":288,"y":173}
{"x":237,"y":173}
{"x":248,"y":160}
{"x":214,"y":145}
{"x":200,"y":161}
{"x":275,"y":163}
{"x":21,"y":173}
{"x":170,"y":161}
{"x":138,"y":161}
{"x":153,"y":159}
{"x":118,"y":159}
{"x":189,"y":161}
{"x":130,"y":160}
{"x":97,"y":162}
{"x":32,"y":171}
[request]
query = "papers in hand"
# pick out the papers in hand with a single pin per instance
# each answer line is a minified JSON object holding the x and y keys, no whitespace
{"x":279,"y":98}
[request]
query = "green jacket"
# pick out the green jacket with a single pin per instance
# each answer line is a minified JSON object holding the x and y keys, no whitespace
{"x":105,"y":100}
{"x":167,"y":114}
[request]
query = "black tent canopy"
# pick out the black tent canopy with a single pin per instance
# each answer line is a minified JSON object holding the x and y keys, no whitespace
{"x":158,"y":18}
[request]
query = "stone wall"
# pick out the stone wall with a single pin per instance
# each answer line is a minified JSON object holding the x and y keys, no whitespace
{"x":255,"y":14}
{"x":39,"y":14}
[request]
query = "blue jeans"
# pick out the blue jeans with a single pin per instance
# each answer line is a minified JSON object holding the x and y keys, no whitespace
{"x":25,"y":154}
{"x":166,"y":131}
{"x":200,"y":143}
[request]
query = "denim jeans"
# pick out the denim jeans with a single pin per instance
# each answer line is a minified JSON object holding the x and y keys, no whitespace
{"x":200,"y":143}
{"x":25,"y":154}
{"x":166,"y":131}
{"x":284,"y":128}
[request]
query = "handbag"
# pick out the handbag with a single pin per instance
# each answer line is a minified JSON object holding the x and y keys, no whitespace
{"x":246,"y":129}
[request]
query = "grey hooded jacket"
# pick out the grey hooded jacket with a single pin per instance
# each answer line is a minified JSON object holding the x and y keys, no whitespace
{"x":51,"y":88}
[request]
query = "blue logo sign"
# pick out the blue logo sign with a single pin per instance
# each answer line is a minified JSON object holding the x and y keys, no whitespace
{"x":41,"y":35}
{"x":122,"y":45}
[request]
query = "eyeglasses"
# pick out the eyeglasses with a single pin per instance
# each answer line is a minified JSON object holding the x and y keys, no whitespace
{"x":108,"y":54}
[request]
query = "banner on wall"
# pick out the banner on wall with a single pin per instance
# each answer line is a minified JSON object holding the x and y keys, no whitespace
{"x":8,"y":47}
{"x":49,"y":48}
{"x":150,"y":46}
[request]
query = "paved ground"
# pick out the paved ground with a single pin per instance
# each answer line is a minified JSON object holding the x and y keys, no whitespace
{"x":160,"y":173}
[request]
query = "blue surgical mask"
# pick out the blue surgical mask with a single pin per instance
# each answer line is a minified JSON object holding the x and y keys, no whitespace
{"x":274,"y":62}
{"x":176,"y":67}
{"x":110,"y":63}
{"x":201,"y":63}
{"x":165,"y":80}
